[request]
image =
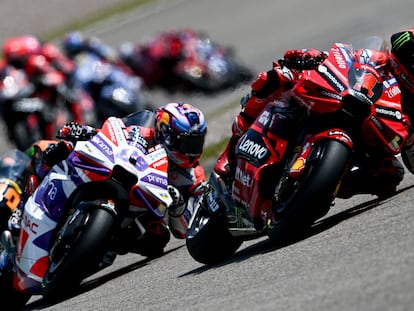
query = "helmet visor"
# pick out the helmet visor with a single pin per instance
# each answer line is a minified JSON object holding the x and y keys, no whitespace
{"x":191,"y":144}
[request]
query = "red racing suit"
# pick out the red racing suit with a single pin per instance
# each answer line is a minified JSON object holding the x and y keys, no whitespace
{"x":269,"y":86}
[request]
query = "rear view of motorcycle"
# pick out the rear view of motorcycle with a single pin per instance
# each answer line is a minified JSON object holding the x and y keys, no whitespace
{"x":185,"y":60}
{"x":283,"y":183}
{"x":107,"y":198}
{"x":115,"y":92}
{"x":33,"y":112}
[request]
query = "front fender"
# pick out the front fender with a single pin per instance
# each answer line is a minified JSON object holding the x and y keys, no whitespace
{"x":80,"y":214}
{"x":306,"y":152}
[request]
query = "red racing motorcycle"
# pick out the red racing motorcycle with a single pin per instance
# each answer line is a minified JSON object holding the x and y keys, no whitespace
{"x":353,"y":120}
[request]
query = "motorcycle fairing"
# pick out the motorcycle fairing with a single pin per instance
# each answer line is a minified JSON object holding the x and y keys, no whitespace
{"x":98,"y":159}
{"x":32,"y":262}
{"x":258,"y":152}
{"x":386,"y":126}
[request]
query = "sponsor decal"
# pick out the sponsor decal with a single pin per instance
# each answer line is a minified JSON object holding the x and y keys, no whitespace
{"x":388,"y":113}
{"x":243,"y":178}
{"x":392,"y":91}
{"x":340,"y":61}
{"x":155,"y":179}
{"x":156,"y":155}
{"x":136,"y":137}
{"x":30,"y":225}
{"x":98,"y":142}
{"x":138,"y":161}
{"x":160,"y":163}
{"x":212,"y":203}
{"x":330,"y":77}
{"x":264,"y":117}
{"x":377,"y":123}
{"x":252,"y":148}
{"x":403,"y":39}
{"x":331,"y":95}
{"x":339,"y":133}
{"x":389,"y":83}
{"x":111,"y":133}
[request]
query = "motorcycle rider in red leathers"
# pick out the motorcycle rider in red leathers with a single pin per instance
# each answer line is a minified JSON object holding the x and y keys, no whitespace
{"x":271,"y":85}
{"x":180,"y":128}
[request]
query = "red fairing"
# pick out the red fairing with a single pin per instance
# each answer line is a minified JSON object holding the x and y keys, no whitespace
{"x":390,"y":130}
{"x":322,"y":90}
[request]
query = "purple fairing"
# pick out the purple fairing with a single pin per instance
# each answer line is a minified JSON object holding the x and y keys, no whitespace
{"x":76,"y":161}
{"x":155,"y":211}
{"x":51,"y":197}
{"x":43,"y":241}
{"x":103,"y":146}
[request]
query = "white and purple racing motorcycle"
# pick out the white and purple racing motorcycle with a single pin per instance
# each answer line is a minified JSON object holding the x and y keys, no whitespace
{"x":102,"y":201}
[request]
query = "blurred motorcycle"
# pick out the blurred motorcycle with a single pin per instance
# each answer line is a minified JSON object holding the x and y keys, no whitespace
{"x":185,"y":60}
{"x":114,"y":91}
{"x":33,"y":111}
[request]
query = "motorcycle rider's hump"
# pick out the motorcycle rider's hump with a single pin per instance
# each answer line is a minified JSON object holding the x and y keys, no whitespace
{"x":180,"y":128}
{"x":378,"y":176}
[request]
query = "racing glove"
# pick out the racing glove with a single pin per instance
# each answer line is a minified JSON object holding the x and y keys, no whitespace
{"x":55,"y":153}
{"x":303,"y":59}
{"x":177,"y":207}
{"x":74,"y":131}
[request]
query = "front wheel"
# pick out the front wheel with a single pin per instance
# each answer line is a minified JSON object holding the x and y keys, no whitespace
{"x":303,"y":201}
{"x":208,"y":240}
{"x":73,"y":258}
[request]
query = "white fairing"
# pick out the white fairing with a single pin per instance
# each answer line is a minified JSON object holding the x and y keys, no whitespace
{"x":33,"y":260}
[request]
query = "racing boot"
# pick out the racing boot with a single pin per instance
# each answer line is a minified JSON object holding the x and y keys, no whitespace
{"x":226,"y":163}
{"x":380,"y":177}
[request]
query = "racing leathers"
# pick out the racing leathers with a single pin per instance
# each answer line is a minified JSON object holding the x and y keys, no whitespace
{"x":273,"y":85}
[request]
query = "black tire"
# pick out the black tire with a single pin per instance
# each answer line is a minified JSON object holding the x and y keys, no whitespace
{"x":72,"y":261}
{"x":208,"y":240}
{"x":311,"y":198}
{"x":9,"y":297}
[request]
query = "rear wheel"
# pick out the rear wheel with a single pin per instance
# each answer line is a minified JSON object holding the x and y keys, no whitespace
{"x":303,"y":201}
{"x":73,"y":258}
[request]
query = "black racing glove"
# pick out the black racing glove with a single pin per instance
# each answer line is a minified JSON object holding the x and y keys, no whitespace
{"x":55,"y":153}
{"x":74,"y":131}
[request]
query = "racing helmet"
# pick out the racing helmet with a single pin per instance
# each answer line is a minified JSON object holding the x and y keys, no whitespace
{"x":402,"y":58}
{"x":72,"y":43}
{"x":37,"y":64}
{"x":181,"y":129}
{"x":16,"y":50}
{"x":51,"y":52}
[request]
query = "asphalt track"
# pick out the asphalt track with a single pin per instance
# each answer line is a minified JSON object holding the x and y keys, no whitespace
{"x":359,"y":257}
